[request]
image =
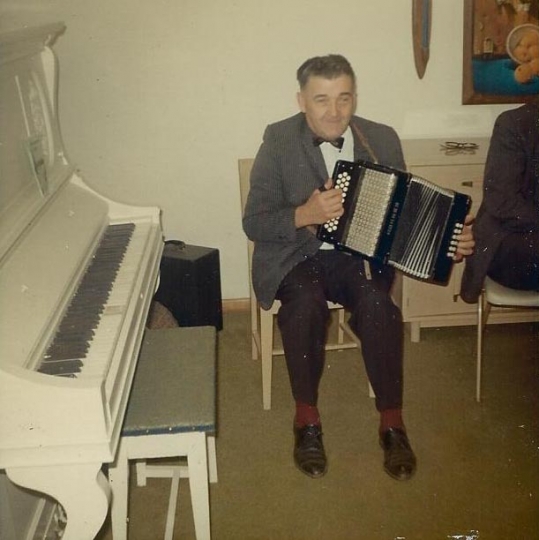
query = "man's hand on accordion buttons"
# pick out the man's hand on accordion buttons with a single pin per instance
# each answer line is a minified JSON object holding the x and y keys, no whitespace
{"x":320,"y":207}
{"x":465,"y":239}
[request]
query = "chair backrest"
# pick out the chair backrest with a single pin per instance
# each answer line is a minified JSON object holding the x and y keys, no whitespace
{"x":245,"y":166}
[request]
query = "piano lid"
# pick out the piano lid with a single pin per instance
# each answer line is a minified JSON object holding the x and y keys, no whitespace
{"x":32,"y":162}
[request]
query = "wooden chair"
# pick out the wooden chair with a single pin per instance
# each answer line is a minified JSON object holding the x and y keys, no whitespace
{"x":494,"y":294}
{"x":171,"y":413}
{"x":262,"y":321}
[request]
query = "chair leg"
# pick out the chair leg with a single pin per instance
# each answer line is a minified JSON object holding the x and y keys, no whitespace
{"x":340,"y":331}
{"x":479,"y":348}
{"x":198,"y":483}
{"x":266,"y":346}
{"x":483,"y":310}
{"x":119,"y":483}
{"x":254,"y":326}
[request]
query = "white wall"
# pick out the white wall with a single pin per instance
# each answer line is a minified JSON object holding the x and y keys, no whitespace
{"x":159,"y":99}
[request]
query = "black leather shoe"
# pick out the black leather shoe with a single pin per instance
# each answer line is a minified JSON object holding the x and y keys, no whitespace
{"x":309,"y":455}
{"x":399,"y":459}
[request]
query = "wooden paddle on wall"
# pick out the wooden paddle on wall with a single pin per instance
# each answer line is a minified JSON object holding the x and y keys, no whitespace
{"x":421,"y":24}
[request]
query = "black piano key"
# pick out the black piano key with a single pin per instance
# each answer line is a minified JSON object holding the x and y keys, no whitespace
{"x":66,"y":351}
{"x":68,"y":367}
{"x":65,"y":354}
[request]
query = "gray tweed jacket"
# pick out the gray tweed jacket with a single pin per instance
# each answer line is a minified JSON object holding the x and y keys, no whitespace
{"x":510,"y":191}
{"x":287,"y":169}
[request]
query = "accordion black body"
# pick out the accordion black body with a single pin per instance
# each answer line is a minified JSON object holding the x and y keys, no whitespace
{"x":396,"y":218}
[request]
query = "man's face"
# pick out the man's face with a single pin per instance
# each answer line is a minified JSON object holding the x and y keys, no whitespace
{"x":328,"y":105}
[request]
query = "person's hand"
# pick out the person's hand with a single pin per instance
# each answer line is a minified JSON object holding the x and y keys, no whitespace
{"x":465,"y":240}
{"x":320,"y":207}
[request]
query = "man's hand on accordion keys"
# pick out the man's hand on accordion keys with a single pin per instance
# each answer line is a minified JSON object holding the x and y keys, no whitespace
{"x":465,"y":240}
{"x":323,"y":204}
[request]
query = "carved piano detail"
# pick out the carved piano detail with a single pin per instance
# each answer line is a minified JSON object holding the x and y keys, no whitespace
{"x":77,"y":274}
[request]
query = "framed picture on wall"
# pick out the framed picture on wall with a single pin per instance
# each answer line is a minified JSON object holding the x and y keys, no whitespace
{"x":501,"y":51}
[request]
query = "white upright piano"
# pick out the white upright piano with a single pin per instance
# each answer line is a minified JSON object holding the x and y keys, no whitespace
{"x":77,"y":275}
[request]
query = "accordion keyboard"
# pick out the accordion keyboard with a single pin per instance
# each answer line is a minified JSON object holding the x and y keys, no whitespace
{"x":342,"y":182}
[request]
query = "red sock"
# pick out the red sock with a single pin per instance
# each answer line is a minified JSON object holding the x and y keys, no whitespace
{"x":306,"y":414}
{"x":391,"y":418}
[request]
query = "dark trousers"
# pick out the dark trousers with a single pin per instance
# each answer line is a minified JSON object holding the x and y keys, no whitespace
{"x":516,"y":262}
{"x":303,"y":321}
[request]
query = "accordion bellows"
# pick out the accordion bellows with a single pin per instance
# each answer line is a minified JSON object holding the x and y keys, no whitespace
{"x":396,"y":218}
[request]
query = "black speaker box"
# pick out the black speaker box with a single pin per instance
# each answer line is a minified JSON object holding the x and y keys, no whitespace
{"x":190,"y":284}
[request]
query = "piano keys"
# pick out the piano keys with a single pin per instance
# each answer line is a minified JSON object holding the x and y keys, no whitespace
{"x":77,"y":275}
{"x":67,"y":353}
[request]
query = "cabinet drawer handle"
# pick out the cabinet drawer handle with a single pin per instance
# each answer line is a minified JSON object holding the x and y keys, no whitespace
{"x":468,"y":183}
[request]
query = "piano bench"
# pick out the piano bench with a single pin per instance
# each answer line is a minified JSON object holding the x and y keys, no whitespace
{"x":171,"y":413}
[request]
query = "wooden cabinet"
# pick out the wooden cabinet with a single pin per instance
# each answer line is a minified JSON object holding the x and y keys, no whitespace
{"x":429,"y":305}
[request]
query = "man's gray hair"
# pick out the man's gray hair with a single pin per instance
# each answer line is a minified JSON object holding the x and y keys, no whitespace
{"x":328,"y":67}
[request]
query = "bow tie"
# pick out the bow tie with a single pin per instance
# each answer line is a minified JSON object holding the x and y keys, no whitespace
{"x":337,"y":143}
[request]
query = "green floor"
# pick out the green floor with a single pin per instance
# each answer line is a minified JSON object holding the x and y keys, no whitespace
{"x":478,"y":473}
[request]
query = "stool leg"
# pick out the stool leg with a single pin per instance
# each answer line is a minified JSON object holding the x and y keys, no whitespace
{"x":119,"y":483}
{"x":197,"y":460}
{"x":142,"y":473}
{"x":212,"y":459}
{"x":172,"y":503}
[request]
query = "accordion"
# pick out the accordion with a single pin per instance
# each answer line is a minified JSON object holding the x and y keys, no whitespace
{"x":396,"y":218}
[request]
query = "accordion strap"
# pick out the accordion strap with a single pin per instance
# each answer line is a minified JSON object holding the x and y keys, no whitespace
{"x":364,"y":142}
